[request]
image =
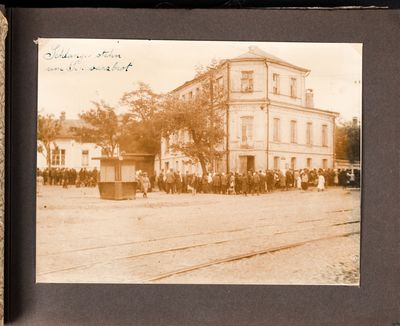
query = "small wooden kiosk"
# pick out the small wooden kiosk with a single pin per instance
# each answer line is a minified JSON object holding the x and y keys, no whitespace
{"x":118,"y":175}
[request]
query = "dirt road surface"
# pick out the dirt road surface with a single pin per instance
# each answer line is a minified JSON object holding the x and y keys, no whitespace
{"x":290,"y":237}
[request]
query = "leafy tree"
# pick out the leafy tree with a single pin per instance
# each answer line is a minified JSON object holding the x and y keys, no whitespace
{"x":200,"y":118}
{"x":347,"y":145}
{"x":48,"y":128}
{"x":101,"y":127}
{"x":142,"y":124}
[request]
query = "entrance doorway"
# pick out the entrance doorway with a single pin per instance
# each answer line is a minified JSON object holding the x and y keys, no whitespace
{"x":246,"y":163}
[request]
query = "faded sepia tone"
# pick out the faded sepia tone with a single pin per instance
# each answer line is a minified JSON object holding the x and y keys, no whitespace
{"x":198,"y":162}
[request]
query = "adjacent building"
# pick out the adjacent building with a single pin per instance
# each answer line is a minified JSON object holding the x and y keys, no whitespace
{"x":270,"y":118}
{"x":68,"y":152}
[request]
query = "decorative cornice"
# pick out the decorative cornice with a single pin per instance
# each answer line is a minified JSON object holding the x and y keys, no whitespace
{"x":303,"y":108}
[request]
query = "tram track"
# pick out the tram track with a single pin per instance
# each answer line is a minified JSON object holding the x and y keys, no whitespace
{"x":199,"y":245}
{"x":130,"y":243}
{"x":244,"y":256}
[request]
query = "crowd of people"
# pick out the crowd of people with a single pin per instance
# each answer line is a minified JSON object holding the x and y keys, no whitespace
{"x":175,"y":182}
{"x":67,"y":177}
{"x":85,"y":178}
{"x":256,"y":182}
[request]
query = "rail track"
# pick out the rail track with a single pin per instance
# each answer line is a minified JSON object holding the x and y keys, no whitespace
{"x":226,"y":258}
{"x":244,"y":256}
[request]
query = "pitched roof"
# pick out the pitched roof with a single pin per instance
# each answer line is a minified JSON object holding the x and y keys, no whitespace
{"x":67,"y":125}
{"x":255,"y":52}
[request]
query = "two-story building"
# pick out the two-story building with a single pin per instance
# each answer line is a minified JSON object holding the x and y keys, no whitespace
{"x":270,"y":118}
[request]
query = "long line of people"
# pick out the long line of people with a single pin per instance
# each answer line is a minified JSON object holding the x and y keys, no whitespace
{"x":252,"y":182}
{"x":67,"y":177}
{"x":255,"y":182}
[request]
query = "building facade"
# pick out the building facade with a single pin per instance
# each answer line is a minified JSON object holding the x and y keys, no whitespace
{"x":270,"y":118}
{"x":68,"y":152}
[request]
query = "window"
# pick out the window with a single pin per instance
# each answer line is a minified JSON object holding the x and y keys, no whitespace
{"x":293,"y":87}
{"x":220,"y":85}
{"x":85,"y":158}
{"x":293,"y":131}
{"x":276,"y":162}
{"x":277,"y":131}
{"x":293,"y":163}
{"x":58,"y":157}
{"x":63,"y":157}
{"x":183,"y":96}
{"x":324,"y":135}
{"x":247,"y":81}
{"x":309,"y":163}
{"x":324,"y":163}
{"x":55,"y":157}
{"x":309,"y":133}
{"x":247,"y":130}
{"x":176,"y":138}
{"x":190,"y":95}
{"x":275,"y":83}
{"x":167,"y":144}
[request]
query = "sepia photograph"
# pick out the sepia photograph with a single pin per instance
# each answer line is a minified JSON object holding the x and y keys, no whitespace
{"x":198,"y":162}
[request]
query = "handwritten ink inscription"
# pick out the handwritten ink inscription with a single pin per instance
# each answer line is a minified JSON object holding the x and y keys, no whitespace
{"x":65,"y":60}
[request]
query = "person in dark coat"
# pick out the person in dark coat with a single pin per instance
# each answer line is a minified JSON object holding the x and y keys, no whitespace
{"x":304,"y":180}
{"x":238,"y":183}
{"x":245,"y":184}
{"x":216,"y":182}
{"x":169,"y":182}
{"x":250,"y":182}
{"x":263,"y":180}
{"x":270,"y":181}
{"x":160,"y":181}
{"x":224,"y":183}
{"x":343,"y":178}
{"x":178,"y":182}
{"x":256,"y":184}
{"x":65,"y":178}
{"x":204,"y":184}
{"x":289,"y":179}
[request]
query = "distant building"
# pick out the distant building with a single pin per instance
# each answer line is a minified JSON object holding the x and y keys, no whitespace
{"x":68,"y":152}
{"x":271,"y":121}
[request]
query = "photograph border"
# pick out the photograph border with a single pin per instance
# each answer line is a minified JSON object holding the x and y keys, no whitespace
{"x":374,"y":302}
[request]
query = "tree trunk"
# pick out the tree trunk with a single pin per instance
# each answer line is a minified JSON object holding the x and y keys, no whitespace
{"x":203,"y":165}
{"x":48,"y":157}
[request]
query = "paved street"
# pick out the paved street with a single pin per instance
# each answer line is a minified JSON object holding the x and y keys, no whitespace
{"x":291,"y":237}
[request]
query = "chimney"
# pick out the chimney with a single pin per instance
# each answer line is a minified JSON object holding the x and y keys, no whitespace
{"x":309,"y":98}
{"x":62,"y":115}
{"x":355,"y":122}
{"x":252,"y":48}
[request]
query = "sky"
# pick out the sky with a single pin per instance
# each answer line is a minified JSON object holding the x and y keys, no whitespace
{"x":72,"y":71}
